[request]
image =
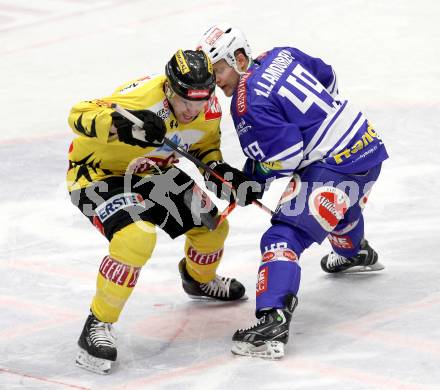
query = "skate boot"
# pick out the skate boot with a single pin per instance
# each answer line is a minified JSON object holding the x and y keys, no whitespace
{"x":267,"y":338}
{"x":364,"y":261}
{"x":221,"y":288}
{"x":97,"y":346}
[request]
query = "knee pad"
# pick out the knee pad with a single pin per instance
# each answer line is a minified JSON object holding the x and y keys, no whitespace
{"x":133,"y":244}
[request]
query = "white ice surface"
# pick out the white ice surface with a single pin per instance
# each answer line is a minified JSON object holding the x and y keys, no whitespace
{"x":375,"y":331}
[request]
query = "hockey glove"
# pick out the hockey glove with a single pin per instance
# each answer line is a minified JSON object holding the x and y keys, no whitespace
{"x":151,"y":134}
{"x":246,"y":190}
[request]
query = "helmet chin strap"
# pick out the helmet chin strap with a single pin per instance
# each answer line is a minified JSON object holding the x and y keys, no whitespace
{"x":169,"y":94}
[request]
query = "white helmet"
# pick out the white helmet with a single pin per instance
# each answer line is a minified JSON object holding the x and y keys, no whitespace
{"x":221,"y":41}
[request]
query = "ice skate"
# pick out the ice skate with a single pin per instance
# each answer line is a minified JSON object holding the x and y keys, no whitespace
{"x":268,"y":337}
{"x":221,"y":288}
{"x":97,"y":346}
{"x":364,"y":261}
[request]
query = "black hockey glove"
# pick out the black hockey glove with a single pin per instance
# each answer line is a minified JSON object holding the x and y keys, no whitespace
{"x":246,"y":190}
{"x":151,"y":134}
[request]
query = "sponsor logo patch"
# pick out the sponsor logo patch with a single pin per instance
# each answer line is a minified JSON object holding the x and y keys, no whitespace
{"x":212,"y":38}
{"x":118,"y":273}
{"x":241,"y":103}
{"x":213,"y":109}
{"x":263,"y":275}
{"x":268,"y":256}
{"x":279,"y":255}
{"x":164,"y":112}
{"x":343,"y":242}
{"x":204,"y":258}
{"x":328,"y":205}
{"x":198,"y":93}
{"x":117,"y":202}
{"x":181,"y":62}
{"x":366,"y":139}
{"x":242,"y":127}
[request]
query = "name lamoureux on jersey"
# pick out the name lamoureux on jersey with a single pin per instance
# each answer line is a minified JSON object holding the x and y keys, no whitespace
{"x":288,"y":115}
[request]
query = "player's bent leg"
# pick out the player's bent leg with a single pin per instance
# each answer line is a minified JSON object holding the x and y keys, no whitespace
{"x":277,"y":286}
{"x":129,"y":250}
{"x":203,"y":253}
{"x":351,"y":251}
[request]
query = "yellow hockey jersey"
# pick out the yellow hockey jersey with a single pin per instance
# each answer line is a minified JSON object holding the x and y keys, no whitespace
{"x":97,"y":153}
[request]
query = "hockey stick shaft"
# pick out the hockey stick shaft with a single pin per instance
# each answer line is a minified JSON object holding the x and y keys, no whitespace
{"x":138,"y":122}
{"x":224,"y":214}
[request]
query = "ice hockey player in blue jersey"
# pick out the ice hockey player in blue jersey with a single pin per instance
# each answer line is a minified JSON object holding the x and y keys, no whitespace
{"x":291,"y":122}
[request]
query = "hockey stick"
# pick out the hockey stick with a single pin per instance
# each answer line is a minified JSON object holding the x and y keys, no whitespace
{"x":128,"y":115}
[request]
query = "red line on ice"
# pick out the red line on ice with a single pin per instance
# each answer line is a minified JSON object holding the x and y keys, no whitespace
{"x":38,"y":378}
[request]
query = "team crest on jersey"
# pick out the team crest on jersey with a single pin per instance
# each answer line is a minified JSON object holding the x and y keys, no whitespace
{"x":328,"y":205}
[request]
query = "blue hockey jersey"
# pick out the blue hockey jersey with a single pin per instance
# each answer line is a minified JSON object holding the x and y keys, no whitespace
{"x":287,"y":115}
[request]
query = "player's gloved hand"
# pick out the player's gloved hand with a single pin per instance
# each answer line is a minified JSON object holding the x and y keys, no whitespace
{"x":151,"y":134}
{"x":246,"y":190}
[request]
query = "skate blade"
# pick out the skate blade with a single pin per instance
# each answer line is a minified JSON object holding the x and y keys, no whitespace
{"x":364,"y":268}
{"x":210,"y":299}
{"x":93,"y":364}
{"x":272,"y":350}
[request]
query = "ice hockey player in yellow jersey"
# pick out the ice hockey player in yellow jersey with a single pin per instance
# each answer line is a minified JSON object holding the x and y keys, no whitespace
{"x":123,"y":179}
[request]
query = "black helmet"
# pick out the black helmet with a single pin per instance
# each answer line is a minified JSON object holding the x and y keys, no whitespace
{"x":191,"y":75}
